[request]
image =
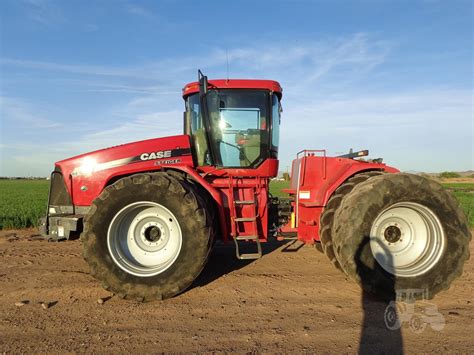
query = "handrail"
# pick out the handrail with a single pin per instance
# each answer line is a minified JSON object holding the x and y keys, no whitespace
{"x":310,"y":152}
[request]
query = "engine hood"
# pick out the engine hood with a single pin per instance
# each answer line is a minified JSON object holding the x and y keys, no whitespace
{"x":88,"y":173}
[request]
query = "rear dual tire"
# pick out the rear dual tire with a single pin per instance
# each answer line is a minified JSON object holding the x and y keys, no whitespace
{"x":148,"y":236}
{"x":400,"y":231}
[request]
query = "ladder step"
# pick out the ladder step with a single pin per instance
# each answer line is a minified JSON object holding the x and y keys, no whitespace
{"x":249,"y":256}
{"x":245,"y":202}
{"x":247,"y":237}
{"x":245,"y":219}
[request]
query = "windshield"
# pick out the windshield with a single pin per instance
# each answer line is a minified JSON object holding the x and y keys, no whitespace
{"x":239,"y":126}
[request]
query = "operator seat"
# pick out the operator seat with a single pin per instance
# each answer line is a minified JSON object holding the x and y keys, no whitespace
{"x":251,"y":144}
{"x":252,"y":147}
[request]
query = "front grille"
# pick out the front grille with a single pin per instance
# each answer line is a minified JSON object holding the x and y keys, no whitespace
{"x":58,"y":195}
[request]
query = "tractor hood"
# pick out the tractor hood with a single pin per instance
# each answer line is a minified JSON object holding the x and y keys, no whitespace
{"x":87,"y":174}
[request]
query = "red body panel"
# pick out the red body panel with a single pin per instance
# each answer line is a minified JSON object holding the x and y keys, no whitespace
{"x":86,"y":175}
{"x":245,"y":182}
{"x":243,"y":189}
{"x":269,"y":169}
{"x":313,"y":180}
{"x":271,"y":85}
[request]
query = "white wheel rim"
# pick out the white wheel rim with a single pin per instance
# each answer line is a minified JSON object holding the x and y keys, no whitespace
{"x":407,"y":239}
{"x":144,"y":238}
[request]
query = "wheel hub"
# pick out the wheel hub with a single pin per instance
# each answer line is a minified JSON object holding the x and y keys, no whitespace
{"x":152,"y":234}
{"x":392,"y":234}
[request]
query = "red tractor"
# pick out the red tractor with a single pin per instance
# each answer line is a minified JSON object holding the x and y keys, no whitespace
{"x":149,"y":212}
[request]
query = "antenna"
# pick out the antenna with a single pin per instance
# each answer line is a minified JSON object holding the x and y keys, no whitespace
{"x":227,"y":57}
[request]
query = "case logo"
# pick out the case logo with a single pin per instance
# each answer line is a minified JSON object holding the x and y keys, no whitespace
{"x":156,"y":155}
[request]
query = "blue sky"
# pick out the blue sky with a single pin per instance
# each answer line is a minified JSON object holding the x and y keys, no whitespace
{"x":395,"y":77}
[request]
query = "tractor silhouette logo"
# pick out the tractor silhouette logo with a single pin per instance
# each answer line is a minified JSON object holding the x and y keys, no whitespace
{"x":418,"y":314}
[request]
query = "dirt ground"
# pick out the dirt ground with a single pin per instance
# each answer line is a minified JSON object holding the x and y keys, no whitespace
{"x":291,"y":300}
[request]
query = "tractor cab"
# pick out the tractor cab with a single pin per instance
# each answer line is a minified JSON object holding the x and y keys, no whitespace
{"x":233,"y":123}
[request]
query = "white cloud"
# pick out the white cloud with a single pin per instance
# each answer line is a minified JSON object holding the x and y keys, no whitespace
{"x":144,"y":14}
{"x":307,"y":62}
{"x":139,"y":10}
{"x":418,"y":130}
{"x":22,"y":115}
{"x":90,"y":27}
{"x":44,"y":12}
{"x":302,"y":63}
{"x":74,"y":68}
{"x":143,"y":126}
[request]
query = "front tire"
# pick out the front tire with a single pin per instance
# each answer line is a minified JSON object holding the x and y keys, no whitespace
{"x":401,"y":231}
{"x":147,"y":236}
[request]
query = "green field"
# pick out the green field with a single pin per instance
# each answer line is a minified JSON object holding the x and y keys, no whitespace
{"x":23,"y":202}
{"x":458,"y":186}
{"x":276,"y":187}
{"x":464,"y":192}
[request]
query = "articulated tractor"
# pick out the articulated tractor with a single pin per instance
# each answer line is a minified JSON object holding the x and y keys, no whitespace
{"x":148,"y":213}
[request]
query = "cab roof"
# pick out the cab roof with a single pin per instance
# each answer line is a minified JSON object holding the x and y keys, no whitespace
{"x":271,"y":85}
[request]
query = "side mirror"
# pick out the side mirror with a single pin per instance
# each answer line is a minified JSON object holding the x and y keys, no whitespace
{"x":202,"y":83}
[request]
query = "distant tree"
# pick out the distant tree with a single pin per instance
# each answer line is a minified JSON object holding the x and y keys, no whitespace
{"x":449,"y":174}
{"x":286,"y":176}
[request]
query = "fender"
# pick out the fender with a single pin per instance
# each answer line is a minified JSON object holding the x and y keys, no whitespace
{"x":315,"y":178}
{"x":354,"y":170}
